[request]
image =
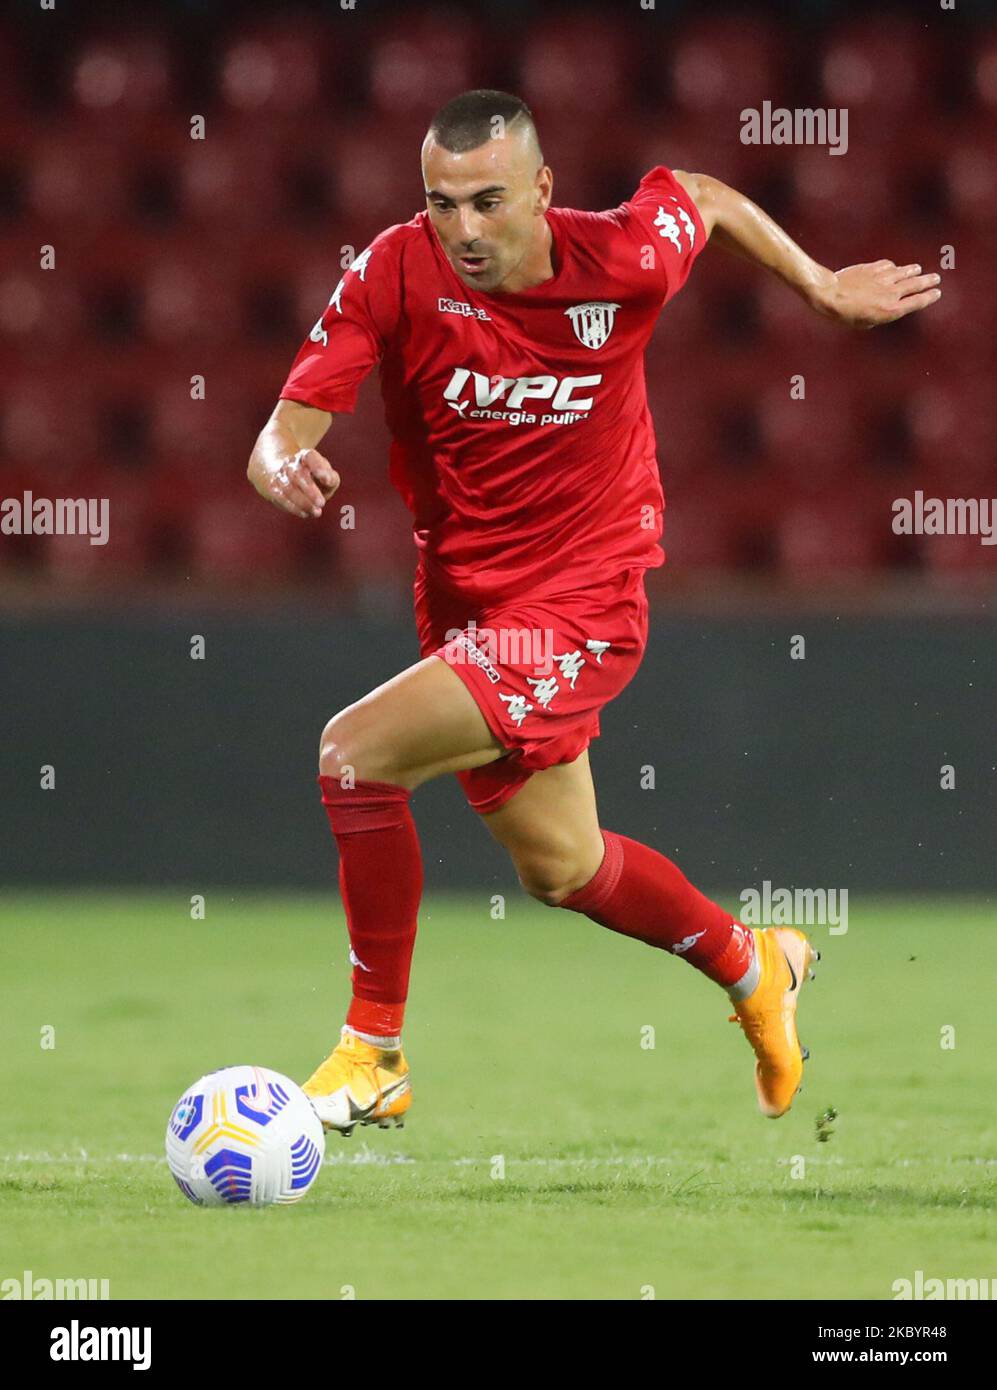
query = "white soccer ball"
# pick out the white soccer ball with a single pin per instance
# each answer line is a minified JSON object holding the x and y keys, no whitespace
{"x":244,"y":1134}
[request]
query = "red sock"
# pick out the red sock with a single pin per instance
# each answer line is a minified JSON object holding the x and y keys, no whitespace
{"x":638,"y":892}
{"x":380,"y":878}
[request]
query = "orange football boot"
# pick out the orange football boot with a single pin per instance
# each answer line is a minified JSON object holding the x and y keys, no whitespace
{"x":768,"y":1015}
{"x":359,"y":1083}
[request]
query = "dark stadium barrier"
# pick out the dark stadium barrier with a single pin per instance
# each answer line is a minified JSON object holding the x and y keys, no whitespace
{"x":823,"y":771}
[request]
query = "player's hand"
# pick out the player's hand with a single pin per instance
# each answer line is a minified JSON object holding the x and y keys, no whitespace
{"x":864,"y":296}
{"x":301,"y":484}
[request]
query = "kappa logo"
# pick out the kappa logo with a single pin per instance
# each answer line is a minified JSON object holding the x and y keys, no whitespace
{"x":458,"y":306}
{"x":478,"y":657}
{"x":597,"y":648}
{"x":593,"y":322}
{"x":358,"y":267}
{"x":669,"y":228}
{"x":687,"y":943}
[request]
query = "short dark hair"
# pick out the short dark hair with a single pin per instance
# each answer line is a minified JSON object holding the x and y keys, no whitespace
{"x":466,"y":122}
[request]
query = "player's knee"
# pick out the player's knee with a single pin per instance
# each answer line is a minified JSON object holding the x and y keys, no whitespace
{"x":347,"y":750}
{"x":334,"y":752}
{"x":550,"y":881}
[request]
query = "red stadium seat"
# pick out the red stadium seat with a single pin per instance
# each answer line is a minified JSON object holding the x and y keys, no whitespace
{"x":858,"y":190}
{"x":214,"y":435}
{"x":832,"y":534}
{"x":72,"y":559}
{"x":819,"y":438}
{"x":235,"y":537}
{"x":48,"y":413}
{"x":883,"y":67}
{"x":952,"y":422}
{"x":186,"y":296}
{"x":698,"y":144}
{"x":967,"y":169}
{"x":962,"y":320}
{"x":231,"y":180}
{"x":380,"y":181}
{"x":36,"y":307}
{"x":723,"y":64}
{"x":118,"y":73}
{"x":683,"y":415}
{"x":75,"y":180}
{"x":563,"y":61}
{"x":983,"y":71}
{"x":965,"y":559}
{"x":788,"y":325}
{"x":281,"y":68}
{"x":697,"y":534}
{"x":419,"y":60}
{"x":582,"y":160}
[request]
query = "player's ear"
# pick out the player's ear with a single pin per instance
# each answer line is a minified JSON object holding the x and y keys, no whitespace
{"x":544,"y":188}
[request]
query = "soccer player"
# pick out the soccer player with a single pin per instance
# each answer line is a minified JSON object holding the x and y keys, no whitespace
{"x":510,"y":335}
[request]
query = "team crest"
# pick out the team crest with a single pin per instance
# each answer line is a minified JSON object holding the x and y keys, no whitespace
{"x":592,"y":323}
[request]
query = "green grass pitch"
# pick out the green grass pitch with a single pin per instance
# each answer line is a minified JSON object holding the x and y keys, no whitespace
{"x":630,"y":1171}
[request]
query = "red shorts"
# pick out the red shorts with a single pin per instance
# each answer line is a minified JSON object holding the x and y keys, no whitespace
{"x":539,"y":670}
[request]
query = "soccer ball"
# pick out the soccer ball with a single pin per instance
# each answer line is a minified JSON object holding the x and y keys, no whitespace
{"x":244,"y":1134}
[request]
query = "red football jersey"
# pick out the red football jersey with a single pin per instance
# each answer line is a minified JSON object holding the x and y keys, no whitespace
{"x":521,"y":436}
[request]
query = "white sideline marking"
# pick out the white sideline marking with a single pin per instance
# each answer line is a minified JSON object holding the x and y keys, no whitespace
{"x":359,"y":1157}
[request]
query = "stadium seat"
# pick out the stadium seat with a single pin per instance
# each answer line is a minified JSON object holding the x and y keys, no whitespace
{"x":952,"y":423}
{"x":121,"y":73}
{"x":379,"y":178}
{"x":185,"y":296}
{"x":721,"y":64}
{"x":829,"y":536}
{"x":818,"y":437}
{"x":231,"y":181}
{"x":967,"y":171}
{"x":35,"y":308}
{"x":562,"y":61}
{"x":983,"y":71}
{"x":844,"y":193}
{"x":276,"y":68}
{"x":961,"y":321}
{"x":72,"y":182}
{"x":879,"y":70}
{"x":407,"y":57}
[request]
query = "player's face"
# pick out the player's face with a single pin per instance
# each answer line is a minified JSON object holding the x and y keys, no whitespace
{"x":487,"y":206}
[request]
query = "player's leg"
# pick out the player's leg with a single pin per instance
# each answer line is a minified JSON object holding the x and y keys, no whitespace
{"x":418,"y":725}
{"x":373,"y":754}
{"x":551,"y":829}
{"x":563,"y":858}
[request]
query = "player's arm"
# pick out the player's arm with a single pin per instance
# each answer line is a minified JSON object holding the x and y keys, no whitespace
{"x":861,"y":296}
{"x":285,"y":466}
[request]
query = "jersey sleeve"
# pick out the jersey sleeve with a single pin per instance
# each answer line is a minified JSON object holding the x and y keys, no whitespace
{"x":351,"y":336}
{"x":669,"y":228}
